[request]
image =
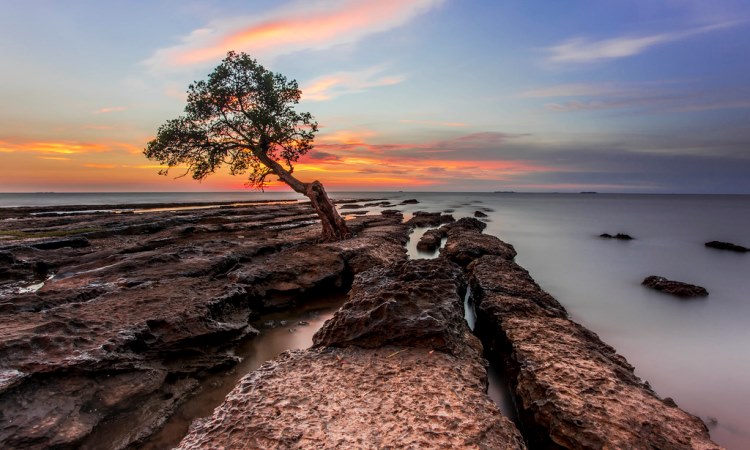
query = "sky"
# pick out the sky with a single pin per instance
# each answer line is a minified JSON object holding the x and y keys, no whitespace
{"x":641,"y":96}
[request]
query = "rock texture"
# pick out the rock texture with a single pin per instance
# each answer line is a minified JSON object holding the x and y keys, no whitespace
{"x":676,"y":288}
{"x":120,"y":321}
{"x":466,"y":242}
{"x":431,"y":239}
{"x":397,"y":367}
{"x":719,"y":245}
{"x":573,"y":391}
{"x":423,"y":219}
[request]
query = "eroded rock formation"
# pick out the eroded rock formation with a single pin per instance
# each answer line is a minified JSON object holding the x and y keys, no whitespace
{"x":396,"y":367}
{"x":128,"y":324}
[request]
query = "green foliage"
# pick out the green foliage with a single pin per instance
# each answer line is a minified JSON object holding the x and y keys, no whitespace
{"x":241,"y":115}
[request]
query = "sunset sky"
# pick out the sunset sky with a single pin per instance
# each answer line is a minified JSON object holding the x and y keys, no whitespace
{"x":438,"y":95}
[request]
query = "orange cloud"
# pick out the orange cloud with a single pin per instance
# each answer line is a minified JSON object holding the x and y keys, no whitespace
{"x":66,"y":147}
{"x":303,"y":25}
{"x":334,"y":85}
{"x":101,"y":166}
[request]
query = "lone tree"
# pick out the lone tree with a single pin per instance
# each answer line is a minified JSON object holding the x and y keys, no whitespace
{"x":243,"y":116}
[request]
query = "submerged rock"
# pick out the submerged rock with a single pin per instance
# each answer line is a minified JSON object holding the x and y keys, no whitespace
{"x":727,"y":246}
{"x":676,"y":288}
{"x":411,"y":201}
{"x":480,"y":214}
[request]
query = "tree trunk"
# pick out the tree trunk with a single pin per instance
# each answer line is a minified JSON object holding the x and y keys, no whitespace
{"x":334,"y":227}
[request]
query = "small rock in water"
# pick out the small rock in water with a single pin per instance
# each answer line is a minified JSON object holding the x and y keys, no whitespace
{"x":283,"y":323}
{"x":303,"y":323}
{"x":479,"y":214}
{"x":292,"y":330}
{"x":411,"y":201}
{"x":676,"y":288}
{"x":727,"y":246}
{"x":620,"y":236}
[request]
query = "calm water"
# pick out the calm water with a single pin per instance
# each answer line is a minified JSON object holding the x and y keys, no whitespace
{"x":694,"y":351}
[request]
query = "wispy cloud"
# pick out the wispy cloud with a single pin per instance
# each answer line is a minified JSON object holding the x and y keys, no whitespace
{"x":64,"y":147}
{"x":583,"y":50}
{"x":301,"y":25}
{"x":110,"y":109}
{"x":341,"y":83}
{"x":433,"y":123}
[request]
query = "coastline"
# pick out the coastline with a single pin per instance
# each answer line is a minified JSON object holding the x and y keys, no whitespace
{"x":381,"y":242}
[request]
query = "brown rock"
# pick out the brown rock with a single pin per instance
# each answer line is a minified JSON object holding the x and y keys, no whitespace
{"x":676,"y":288}
{"x":573,"y":390}
{"x":466,"y":242}
{"x":431,"y":239}
{"x":423,"y":219}
{"x":396,"y":367}
{"x":353,"y":398}
{"x":414,"y":303}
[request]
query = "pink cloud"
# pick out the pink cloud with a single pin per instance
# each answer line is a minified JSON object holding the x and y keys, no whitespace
{"x":303,"y":25}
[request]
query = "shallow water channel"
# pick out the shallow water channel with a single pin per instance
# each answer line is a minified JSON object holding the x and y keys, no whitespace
{"x":287,"y":330}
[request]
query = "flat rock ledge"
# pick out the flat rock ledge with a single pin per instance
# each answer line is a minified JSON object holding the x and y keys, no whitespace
{"x":572,"y":390}
{"x":396,"y":367}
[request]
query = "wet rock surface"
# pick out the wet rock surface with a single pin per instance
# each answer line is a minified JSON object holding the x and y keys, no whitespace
{"x":572,"y":390}
{"x":719,"y":245}
{"x":676,"y":288}
{"x":396,"y":367}
{"x":123,"y":329}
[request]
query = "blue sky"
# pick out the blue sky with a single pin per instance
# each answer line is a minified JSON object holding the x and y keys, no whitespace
{"x":607,"y":95}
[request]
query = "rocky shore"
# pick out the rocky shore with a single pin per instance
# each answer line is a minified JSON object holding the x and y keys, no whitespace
{"x":110,"y":321}
{"x":122,"y":328}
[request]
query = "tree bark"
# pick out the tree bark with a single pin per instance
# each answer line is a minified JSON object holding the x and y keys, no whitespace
{"x":334,"y":226}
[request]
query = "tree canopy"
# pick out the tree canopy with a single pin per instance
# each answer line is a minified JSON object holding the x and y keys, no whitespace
{"x":243,"y":117}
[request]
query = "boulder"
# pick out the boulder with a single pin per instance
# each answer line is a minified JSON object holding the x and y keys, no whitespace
{"x":479,"y":214}
{"x":676,"y":288}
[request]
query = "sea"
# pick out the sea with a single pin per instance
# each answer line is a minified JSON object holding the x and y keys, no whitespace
{"x":695,"y":351}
